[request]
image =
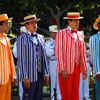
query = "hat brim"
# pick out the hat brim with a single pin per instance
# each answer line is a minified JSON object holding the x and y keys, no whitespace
{"x":7,"y":19}
{"x":96,"y":23}
{"x":73,"y":18}
{"x":30,"y":21}
{"x":54,"y":31}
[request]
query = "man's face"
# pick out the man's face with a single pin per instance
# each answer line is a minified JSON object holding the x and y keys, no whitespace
{"x":53,"y":35}
{"x":32,"y":26}
{"x":74,"y":23}
{"x":4,"y":27}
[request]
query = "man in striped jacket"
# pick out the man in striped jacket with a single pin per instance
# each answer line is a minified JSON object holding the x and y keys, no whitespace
{"x":32,"y":60}
{"x":7,"y":68}
{"x":71,"y":56}
{"x":94,"y":43}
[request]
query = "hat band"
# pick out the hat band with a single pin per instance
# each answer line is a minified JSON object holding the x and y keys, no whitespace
{"x":3,"y":18}
{"x":30,"y":19}
{"x":73,"y":16}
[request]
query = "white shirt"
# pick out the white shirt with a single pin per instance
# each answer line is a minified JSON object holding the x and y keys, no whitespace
{"x":34,"y":38}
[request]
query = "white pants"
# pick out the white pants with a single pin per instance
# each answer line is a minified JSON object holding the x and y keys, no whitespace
{"x":84,"y":84}
{"x":54,"y":80}
{"x":20,"y":88}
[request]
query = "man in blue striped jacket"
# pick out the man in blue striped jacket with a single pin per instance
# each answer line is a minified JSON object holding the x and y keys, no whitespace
{"x":32,"y":60}
{"x":94,"y":43}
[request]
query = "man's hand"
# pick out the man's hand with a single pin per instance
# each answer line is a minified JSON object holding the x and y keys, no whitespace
{"x":15,"y":82}
{"x":84,"y":76}
{"x":64,"y":74}
{"x":98,"y":77}
{"x":46,"y":80}
{"x":26,"y":83}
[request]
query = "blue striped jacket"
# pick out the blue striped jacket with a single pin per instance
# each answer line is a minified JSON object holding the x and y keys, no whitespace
{"x":26,"y":57}
{"x":94,"y":43}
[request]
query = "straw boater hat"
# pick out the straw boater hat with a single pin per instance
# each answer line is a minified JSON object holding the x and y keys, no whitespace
{"x":30,"y":18}
{"x":73,"y":15}
{"x":53,"y":28}
{"x":96,"y":23}
{"x":4,"y":17}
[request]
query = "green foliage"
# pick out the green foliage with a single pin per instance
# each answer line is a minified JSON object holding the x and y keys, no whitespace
{"x":18,"y":9}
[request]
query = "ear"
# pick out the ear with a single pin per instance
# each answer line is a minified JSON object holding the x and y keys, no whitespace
{"x":69,"y":21}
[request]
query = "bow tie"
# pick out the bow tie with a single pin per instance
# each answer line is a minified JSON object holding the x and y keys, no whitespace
{"x":73,"y":31}
{"x":33,"y":35}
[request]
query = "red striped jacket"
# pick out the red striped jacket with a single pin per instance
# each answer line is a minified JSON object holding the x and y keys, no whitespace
{"x":69,"y":53}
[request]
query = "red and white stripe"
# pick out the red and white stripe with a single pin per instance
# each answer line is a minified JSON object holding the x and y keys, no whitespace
{"x":69,"y":52}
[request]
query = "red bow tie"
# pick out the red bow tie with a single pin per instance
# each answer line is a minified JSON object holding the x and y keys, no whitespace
{"x":73,"y":31}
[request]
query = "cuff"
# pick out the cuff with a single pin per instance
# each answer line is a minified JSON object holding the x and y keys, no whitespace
{"x":47,"y":75}
{"x":14,"y":77}
{"x":97,"y":73}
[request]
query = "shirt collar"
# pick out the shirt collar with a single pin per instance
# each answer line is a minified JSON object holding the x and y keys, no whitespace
{"x":52,"y":39}
{"x":98,"y":33}
{"x":30,"y":33}
{"x":71,"y":28}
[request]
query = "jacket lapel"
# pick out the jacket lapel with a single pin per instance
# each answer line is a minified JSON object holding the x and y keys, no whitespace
{"x":3,"y":41}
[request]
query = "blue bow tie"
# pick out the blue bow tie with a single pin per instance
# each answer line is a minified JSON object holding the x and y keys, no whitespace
{"x":33,"y":35}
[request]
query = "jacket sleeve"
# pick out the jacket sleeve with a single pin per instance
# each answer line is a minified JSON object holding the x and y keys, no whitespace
{"x":45,"y":61}
{"x":83,"y":58}
{"x":12,"y":66}
{"x":95,"y":52}
{"x":21,"y":54}
{"x":59,"y":46}
{"x":49,"y":51}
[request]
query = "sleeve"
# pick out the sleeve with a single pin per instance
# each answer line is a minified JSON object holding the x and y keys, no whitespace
{"x":49,"y":51}
{"x":83,"y":58}
{"x":21,"y":54}
{"x":12,"y":66}
{"x":90,"y":46}
{"x":59,"y":43}
{"x":95,"y":53}
{"x":45,"y":61}
{"x":15,"y":50}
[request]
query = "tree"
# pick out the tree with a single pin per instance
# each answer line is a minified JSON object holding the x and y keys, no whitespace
{"x":50,"y":11}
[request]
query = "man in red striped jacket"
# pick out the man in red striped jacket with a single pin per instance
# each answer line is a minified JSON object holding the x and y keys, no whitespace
{"x":71,"y":56}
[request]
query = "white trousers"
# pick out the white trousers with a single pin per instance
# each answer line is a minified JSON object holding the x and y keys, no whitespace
{"x":84,"y":84}
{"x":20,"y":88}
{"x":54,"y":80}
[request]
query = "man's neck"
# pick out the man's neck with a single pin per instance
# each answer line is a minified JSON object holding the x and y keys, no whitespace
{"x":31,"y":32}
{"x":72,"y":27}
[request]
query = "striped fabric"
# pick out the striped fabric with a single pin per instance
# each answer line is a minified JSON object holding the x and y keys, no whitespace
{"x":69,"y":52}
{"x":7,"y":68}
{"x":94,"y":43}
{"x":26,"y":51}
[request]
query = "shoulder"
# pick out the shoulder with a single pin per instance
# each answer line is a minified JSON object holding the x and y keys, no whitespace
{"x":41,"y":36}
{"x":47,"y":42}
{"x":80,"y":35}
{"x":93,"y":36}
{"x":64,"y":30}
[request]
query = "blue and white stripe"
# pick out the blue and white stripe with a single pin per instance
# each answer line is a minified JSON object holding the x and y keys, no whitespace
{"x":94,"y":43}
{"x":26,"y":51}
